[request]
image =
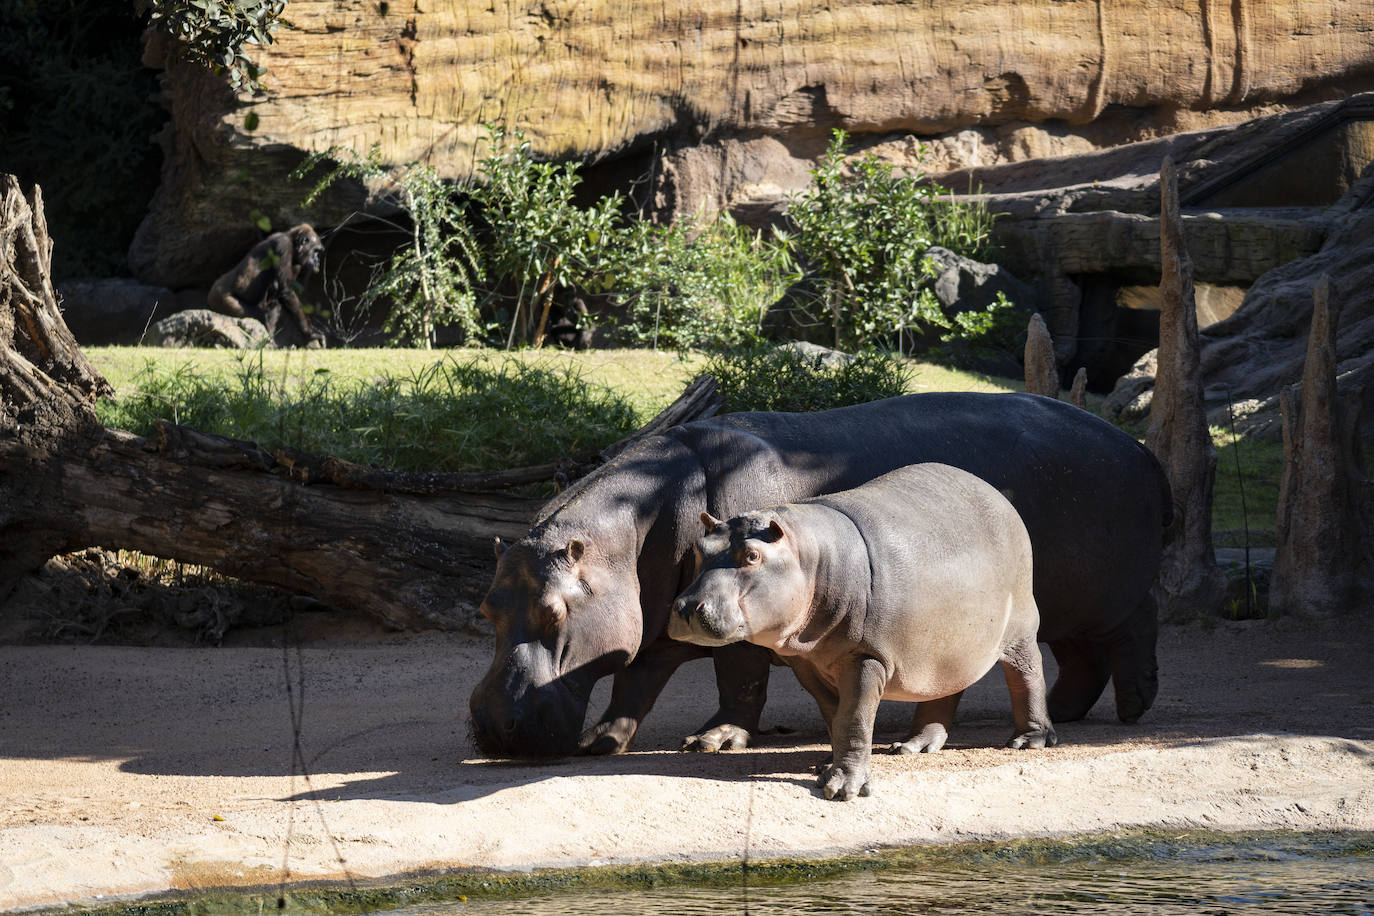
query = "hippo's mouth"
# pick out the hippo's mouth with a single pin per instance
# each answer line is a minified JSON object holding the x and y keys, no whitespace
{"x":543,"y":722}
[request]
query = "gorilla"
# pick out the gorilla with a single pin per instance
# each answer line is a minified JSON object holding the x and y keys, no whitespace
{"x":267,"y":279}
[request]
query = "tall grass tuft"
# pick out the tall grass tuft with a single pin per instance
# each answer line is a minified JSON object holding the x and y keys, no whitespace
{"x":452,"y":415}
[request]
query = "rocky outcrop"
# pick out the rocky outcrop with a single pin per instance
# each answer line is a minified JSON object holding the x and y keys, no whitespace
{"x":1084,"y":230}
{"x":723,"y":103}
{"x":1250,"y":357}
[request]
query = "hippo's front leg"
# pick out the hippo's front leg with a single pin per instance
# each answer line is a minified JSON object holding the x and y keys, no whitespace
{"x":633,"y":693}
{"x":861,"y":685}
{"x":742,"y":681}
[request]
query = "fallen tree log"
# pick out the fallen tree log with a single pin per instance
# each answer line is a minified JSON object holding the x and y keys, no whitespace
{"x":405,"y":547}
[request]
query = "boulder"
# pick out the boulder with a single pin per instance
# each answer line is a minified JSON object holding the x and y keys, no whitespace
{"x":821,"y":357}
{"x":204,"y":328}
{"x":112,"y":311}
{"x":966,"y":285}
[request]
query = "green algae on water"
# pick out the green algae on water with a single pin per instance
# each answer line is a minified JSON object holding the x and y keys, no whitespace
{"x":1124,"y":848}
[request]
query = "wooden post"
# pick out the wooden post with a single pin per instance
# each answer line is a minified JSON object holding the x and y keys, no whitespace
{"x":1078,"y":394}
{"x":1042,"y":374}
{"x":1318,"y":550}
{"x":1189,"y":581}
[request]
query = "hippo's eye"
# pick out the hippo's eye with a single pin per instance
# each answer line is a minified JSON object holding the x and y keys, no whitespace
{"x":752,"y":557}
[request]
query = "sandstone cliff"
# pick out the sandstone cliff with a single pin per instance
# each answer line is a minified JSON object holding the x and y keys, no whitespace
{"x":727,"y":101}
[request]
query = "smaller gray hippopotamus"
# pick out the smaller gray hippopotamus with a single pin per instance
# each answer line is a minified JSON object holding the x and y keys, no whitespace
{"x":909,"y":587}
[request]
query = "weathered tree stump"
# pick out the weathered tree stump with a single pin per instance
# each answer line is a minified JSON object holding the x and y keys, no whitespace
{"x":1078,"y":394}
{"x":1189,"y":581}
{"x":398,"y":545}
{"x":1319,"y":552}
{"x":1042,"y":374}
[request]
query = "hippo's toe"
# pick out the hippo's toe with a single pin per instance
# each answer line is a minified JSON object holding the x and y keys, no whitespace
{"x":928,"y":740}
{"x":721,"y":738}
{"x":611,"y":737}
{"x":842,"y":783}
{"x":1043,"y":736}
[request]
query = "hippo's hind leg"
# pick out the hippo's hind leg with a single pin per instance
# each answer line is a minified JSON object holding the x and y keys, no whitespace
{"x":1084,"y":669}
{"x":1134,"y":669}
{"x":742,"y":680}
{"x":930,"y":726}
{"x":1025,"y":675}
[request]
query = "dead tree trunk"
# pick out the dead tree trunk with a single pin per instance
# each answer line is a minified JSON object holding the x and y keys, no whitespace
{"x":398,"y":545}
{"x":1042,"y":374}
{"x":1319,"y":552}
{"x":1078,"y":394}
{"x":1188,"y":578}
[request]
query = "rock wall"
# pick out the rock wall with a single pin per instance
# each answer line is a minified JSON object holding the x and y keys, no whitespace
{"x":593,"y":79}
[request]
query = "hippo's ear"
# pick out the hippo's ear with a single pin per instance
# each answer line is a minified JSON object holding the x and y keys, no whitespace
{"x":774,"y":532}
{"x":710,"y":521}
{"x":575,"y":549}
{"x":498,"y":547}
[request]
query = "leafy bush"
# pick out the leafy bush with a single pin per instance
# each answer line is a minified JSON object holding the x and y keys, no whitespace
{"x":212,"y":33}
{"x":430,"y":280}
{"x":861,"y":232}
{"x":453,"y":415}
{"x":767,"y":377}
{"x":540,"y":239}
{"x":691,"y":286}
{"x":983,"y":339}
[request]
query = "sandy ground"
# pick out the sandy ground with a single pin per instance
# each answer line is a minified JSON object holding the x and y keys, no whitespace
{"x":128,"y":771}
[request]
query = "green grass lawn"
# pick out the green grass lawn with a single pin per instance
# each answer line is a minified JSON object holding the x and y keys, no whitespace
{"x":648,"y":380}
{"x":388,"y":399}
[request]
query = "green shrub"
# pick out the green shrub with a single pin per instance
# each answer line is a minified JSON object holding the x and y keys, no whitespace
{"x":987,"y":339}
{"x":452,"y":415}
{"x":213,"y":33}
{"x":429,"y":281}
{"x":539,"y":239}
{"x":686,"y":285}
{"x":861,"y":232}
{"x":766,"y":377}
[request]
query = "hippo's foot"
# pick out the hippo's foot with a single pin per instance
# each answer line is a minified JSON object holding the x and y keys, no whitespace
{"x":841,"y":783}
{"x":929,"y":740}
{"x":1042,"y":736}
{"x":1134,"y":697}
{"x":721,"y":738}
{"x":611,"y":737}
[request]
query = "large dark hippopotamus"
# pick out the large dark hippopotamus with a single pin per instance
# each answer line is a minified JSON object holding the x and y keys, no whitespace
{"x":909,"y":587}
{"x":588,"y":591}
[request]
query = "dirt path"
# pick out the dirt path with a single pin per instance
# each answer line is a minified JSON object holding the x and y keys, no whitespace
{"x":127,"y":771}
